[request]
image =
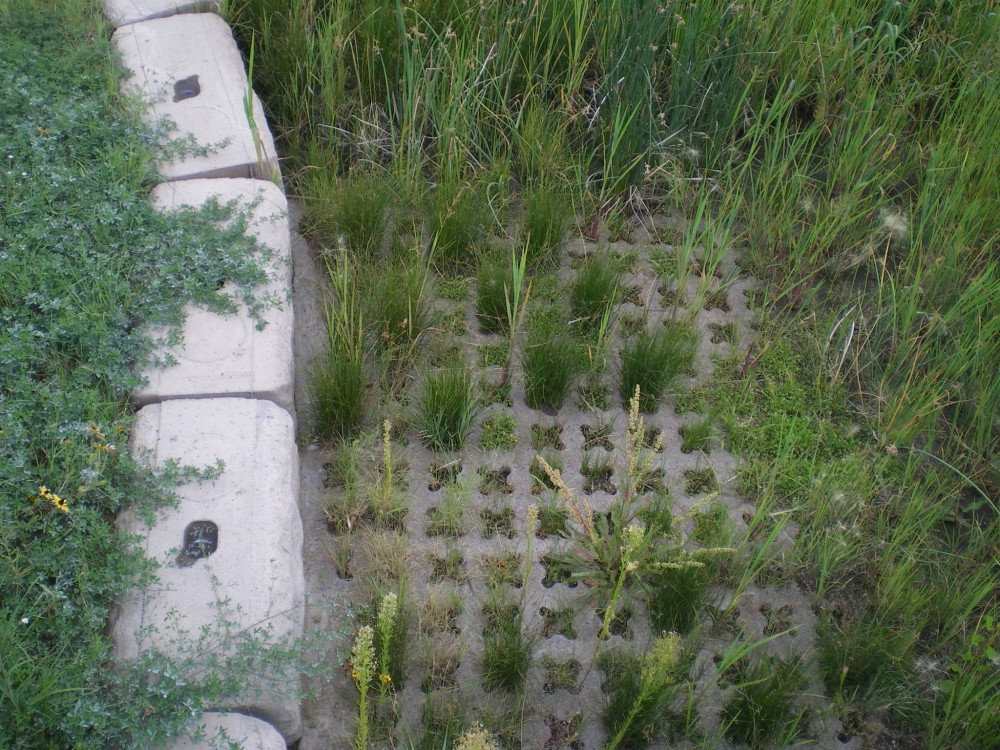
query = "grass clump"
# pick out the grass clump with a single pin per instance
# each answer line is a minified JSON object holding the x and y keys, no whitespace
{"x":543,"y":228}
{"x":340,"y":380}
{"x":493,"y":281}
{"x":597,"y":286}
{"x":763,"y":710}
{"x":351,"y":210}
{"x":550,"y":364}
{"x":507,"y":648}
{"x":653,"y":360}
{"x":458,"y":223}
{"x":446,"y":409}
{"x":447,"y":518}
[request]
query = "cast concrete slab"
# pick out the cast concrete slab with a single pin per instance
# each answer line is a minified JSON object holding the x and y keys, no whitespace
{"x":230,"y":552}
{"x":217,"y":731}
{"x":189,"y":70}
{"x":124,"y":12}
{"x":226,"y":355}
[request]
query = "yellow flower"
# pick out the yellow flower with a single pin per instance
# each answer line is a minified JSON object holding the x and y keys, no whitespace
{"x":59,"y":503}
{"x":386,"y":678}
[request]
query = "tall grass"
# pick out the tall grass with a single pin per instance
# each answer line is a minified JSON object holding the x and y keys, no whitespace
{"x":842,"y":149}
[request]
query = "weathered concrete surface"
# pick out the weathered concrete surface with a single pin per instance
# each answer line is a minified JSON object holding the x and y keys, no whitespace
{"x":216,"y":731}
{"x":225,"y":355}
{"x":165,"y":52}
{"x":254,"y":579}
{"x":123,"y":12}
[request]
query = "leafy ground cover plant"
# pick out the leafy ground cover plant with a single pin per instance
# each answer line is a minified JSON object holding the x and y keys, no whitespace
{"x":499,"y":432}
{"x":86,"y":265}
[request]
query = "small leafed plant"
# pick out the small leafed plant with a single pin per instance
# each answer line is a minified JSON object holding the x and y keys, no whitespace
{"x":499,"y":432}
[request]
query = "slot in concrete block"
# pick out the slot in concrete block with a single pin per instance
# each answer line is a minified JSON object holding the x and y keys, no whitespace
{"x":225,"y":355}
{"x":213,"y":731}
{"x":164,"y":51}
{"x":243,"y":568}
{"x":124,"y":12}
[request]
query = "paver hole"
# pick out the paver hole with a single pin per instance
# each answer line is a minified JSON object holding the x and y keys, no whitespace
{"x":201,"y":539}
{"x":186,"y":88}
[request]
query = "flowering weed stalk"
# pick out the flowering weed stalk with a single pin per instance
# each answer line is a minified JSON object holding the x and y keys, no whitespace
{"x":362,"y":672}
{"x":386,"y":623}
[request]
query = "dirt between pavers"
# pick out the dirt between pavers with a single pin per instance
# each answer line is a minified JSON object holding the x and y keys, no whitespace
{"x":555,"y":718}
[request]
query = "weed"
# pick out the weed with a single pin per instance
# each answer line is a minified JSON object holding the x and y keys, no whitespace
{"x":495,"y":481}
{"x":455,"y":289}
{"x":499,"y":432}
{"x":443,"y":474}
{"x":446,"y":409}
{"x":697,"y":481}
{"x":597,"y":436}
{"x":710,"y":526}
{"x":493,"y":355}
{"x":540,"y":478}
{"x":640,"y":690}
{"x":497,"y":522}
{"x":363,"y":672}
{"x":653,"y":360}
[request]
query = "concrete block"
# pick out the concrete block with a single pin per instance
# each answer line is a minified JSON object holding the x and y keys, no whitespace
{"x":217,"y":731}
{"x":190,"y":71}
{"x":232,"y":548}
{"x":124,"y":12}
{"x":225,"y":355}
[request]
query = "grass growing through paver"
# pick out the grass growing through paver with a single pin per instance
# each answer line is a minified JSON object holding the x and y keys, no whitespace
{"x":836,"y":152}
{"x":85,"y":265}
